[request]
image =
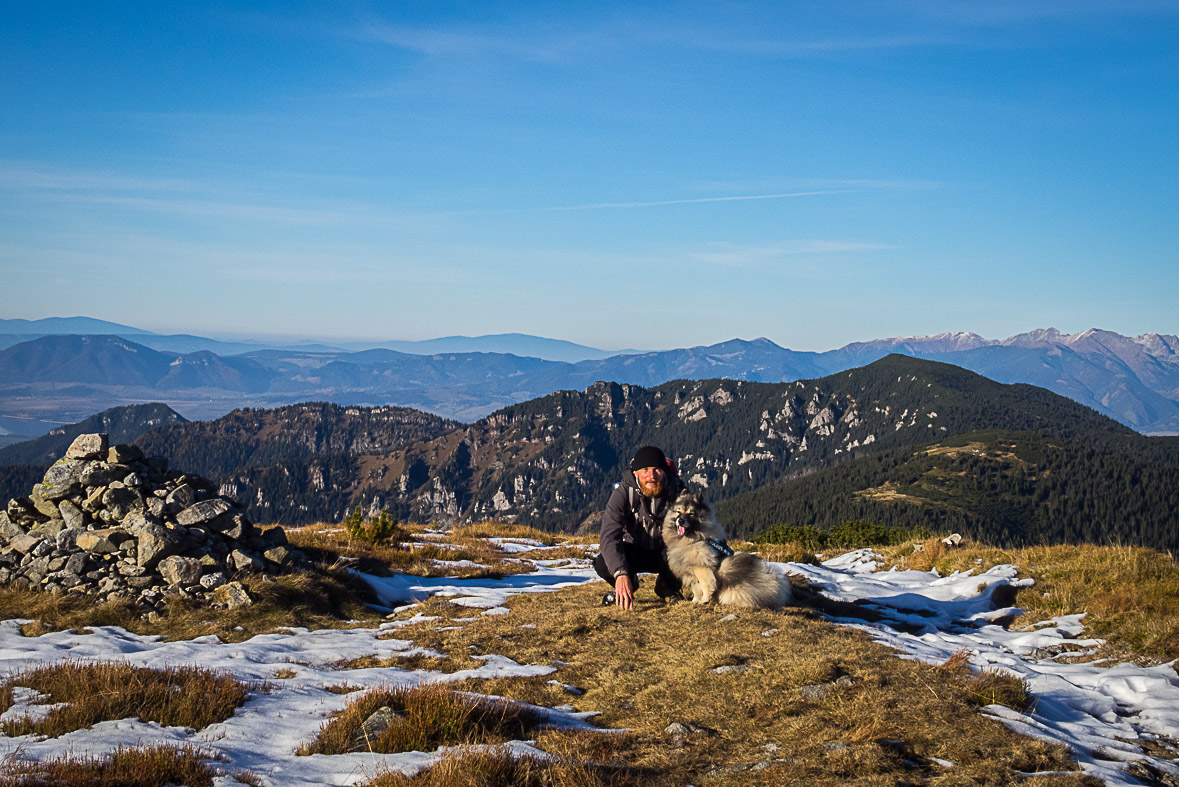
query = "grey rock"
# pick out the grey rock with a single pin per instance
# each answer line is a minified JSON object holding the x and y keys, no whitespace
{"x":214,"y":579}
{"x":46,"y":547}
{"x":88,"y":446}
{"x":46,"y":508}
{"x":67,"y":539}
{"x":76,"y":564}
{"x":57,"y":564}
{"x":274,"y":536}
{"x":22,"y":512}
{"x":836,"y":747}
{"x":130,"y":569}
{"x":156,"y":506}
{"x":71,"y":514}
{"x":677,"y":734}
{"x":279,"y":555}
{"x":124,"y":454}
{"x":133,"y":481}
{"x":24,"y":543}
{"x":372,"y":728}
{"x":814,"y":693}
{"x":109,"y":584}
{"x":62,"y":479}
{"x":93,"y":501}
{"x":845,"y":682}
{"x":101,"y":542}
{"x":232,"y":595}
{"x":179,"y":570}
{"x":208,"y":557}
{"x":732,"y":668}
{"x":242,"y":561}
{"x":237,"y":527}
{"x":141,"y":582}
{"x":101,"y":473}
{"x":181,"y":497}
{"x":8,"y":528}
{"x":204,"y":511}
{"x":49,"y":528}
{"x":155,"y":543}
{"x":120,"y":501}
{"x":137,"y":522}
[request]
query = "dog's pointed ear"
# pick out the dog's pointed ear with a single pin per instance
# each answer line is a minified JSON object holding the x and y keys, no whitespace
{"x":698,"y":498}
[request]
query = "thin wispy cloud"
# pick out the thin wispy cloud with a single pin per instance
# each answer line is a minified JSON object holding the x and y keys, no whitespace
{"x":697,"y":200}
{"x":18,"y":175}
{"x":734,"y":255}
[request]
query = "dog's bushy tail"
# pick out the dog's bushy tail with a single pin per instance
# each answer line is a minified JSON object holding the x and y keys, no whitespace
{"x":746,"y":581}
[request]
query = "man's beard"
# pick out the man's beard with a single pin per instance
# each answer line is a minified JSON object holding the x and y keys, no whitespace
{"x":651,"y":488}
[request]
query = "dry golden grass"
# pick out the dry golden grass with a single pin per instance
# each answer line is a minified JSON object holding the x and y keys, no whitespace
{"x":498,"y":768}
{"x":431,"y":716}
{"x":327,"y":544}
{"x":653,"y":666}
{"x":314,"y":599}
{"x":779,"y":553}
{"x":108,"y":691}
{"x":1130,"y":595}
{"x":988,"y":686}
{"x":157,"y":766}
{"x":503,"y":530}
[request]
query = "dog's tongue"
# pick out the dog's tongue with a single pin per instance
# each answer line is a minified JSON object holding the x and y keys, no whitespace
{"x":679,"y":529}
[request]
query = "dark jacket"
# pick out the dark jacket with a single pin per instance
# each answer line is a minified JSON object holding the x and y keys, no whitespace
{"x":622,"y":524}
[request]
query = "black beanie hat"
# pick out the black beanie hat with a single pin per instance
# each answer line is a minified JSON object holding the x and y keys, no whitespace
{"x":648,"y":456}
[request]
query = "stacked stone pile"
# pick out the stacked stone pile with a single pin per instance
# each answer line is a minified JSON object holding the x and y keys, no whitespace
{"x":109,"y":523}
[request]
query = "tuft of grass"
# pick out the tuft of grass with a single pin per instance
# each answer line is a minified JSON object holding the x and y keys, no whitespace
{"x":107,"y":691}
{"x":156,"y":766}
{"x":431,"y":716}
{"x":988,"y":686}
{"x":992,"y":687}
{"x":496,"y":767}
{"x":1130,"y":595}
{"x":152,"y":766}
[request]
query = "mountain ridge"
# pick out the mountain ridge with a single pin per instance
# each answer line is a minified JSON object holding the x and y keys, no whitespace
{"x":551,"y":460}
{"x":1133,"y":379}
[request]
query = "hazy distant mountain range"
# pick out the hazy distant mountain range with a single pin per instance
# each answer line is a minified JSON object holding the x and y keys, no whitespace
{"x":17,"y":331}
{"x":56,"y":378}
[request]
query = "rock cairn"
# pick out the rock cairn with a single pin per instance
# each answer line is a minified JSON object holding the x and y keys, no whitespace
{"x":109,"y":523}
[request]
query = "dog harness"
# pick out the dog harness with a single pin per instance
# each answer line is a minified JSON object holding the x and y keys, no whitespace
{"x":721,"y":548}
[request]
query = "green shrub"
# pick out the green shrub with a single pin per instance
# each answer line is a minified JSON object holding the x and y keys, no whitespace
{"x":380,"y":530}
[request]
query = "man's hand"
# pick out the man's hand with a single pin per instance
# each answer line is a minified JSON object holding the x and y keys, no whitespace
{"x":623,"y":593}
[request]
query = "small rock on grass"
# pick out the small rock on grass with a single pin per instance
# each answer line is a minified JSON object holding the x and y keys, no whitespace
{"x":382,"y":719}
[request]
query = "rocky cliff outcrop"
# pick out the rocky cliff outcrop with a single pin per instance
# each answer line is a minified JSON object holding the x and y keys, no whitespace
{"x":107,"y":522}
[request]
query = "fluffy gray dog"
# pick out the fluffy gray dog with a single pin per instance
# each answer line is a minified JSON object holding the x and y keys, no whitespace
{"x":698,"y":555}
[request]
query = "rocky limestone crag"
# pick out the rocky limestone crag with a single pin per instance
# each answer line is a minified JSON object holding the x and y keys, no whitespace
{"x":108,"y":523}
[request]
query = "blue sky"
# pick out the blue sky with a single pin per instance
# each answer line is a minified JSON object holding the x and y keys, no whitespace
{"x":617,"y":174}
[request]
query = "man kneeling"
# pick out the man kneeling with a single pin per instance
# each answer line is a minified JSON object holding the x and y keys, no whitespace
{"x":632,"y":539}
